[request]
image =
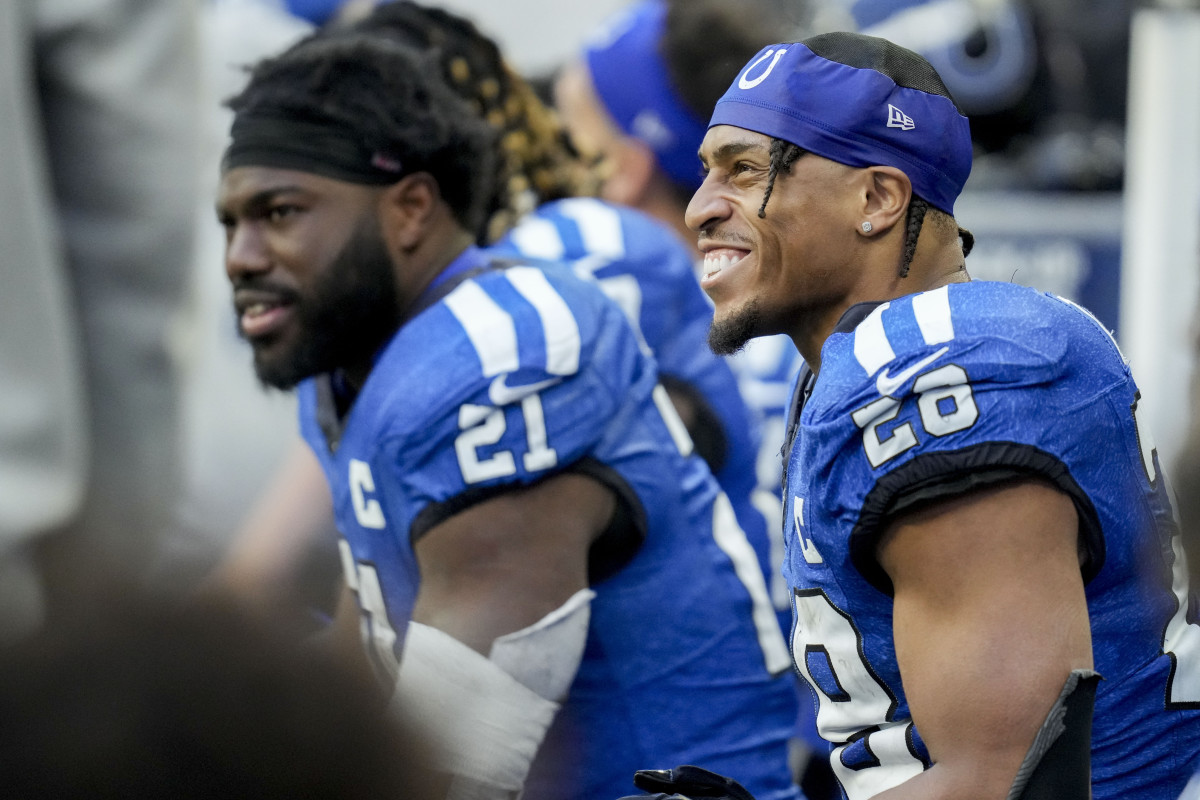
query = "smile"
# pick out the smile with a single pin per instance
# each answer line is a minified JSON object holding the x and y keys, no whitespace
{"x":261,"y":313}
{"x":715,"y":261}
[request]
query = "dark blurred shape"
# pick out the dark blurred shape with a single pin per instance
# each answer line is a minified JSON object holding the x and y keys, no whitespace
{"x":146,"y":697}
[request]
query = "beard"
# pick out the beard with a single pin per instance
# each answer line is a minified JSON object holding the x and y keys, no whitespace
{"x":729,"y":335}
{"x":349,"y":312}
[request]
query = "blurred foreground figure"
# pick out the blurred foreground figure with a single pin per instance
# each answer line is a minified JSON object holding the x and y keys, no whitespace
{"x":142,"y":697}
{"x":99,"y":121}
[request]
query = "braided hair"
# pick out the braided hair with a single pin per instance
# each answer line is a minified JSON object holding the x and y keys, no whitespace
{"x":537,"y":160}
{"x":919,"y":210}
{"x":377,"y":90}
{"x":783,"y":155}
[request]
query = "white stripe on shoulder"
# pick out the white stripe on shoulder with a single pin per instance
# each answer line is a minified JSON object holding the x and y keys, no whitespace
{"x":558,"y":323}
{"x":871,"y":345}
{"x":932,"y":310}
{"x":599,"y":226}
{"x":488,"y":326}
{"x":539,"y":238}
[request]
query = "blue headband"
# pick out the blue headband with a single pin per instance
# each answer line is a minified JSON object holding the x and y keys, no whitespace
{"x":858,"y":117}
{"x":631,"y":81}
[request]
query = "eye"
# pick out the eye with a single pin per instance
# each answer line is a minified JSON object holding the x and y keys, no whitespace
{"x":281,"y":212}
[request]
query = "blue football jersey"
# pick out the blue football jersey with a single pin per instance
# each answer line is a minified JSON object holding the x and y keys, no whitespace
{"x":928,"y":396}
{"x":518,"y":373}
{"x":641,"y":264}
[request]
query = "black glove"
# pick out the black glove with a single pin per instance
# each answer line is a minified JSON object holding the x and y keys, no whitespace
{"x":686,"y":783}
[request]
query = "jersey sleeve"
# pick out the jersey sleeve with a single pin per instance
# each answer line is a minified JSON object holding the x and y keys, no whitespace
{"x":950,"y":391}
{"x":528,"y":371}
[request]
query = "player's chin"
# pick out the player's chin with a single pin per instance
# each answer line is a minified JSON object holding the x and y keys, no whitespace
{"x":730,"y":291}
{"x":278,"y":366}
{"x":725,"y":300}
{"x":732,"y":329}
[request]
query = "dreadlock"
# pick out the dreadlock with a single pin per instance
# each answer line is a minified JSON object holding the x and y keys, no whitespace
{"x":377,"y":89}
{"x":537,"y":161}
{"x":919,"y":210}
{"x":783,"y":155}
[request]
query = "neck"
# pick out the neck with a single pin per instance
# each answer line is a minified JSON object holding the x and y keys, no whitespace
{"x":424,"y":263}
{"x":928,"y":271}
{"x":414,"y":269}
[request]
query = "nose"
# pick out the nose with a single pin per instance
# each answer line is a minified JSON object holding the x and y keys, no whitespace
{"x":706,"y":208}
{"x":245,"y":251}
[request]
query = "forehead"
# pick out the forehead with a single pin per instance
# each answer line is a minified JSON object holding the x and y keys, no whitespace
{"x":726,"y":141}
{"x":244,"y":184}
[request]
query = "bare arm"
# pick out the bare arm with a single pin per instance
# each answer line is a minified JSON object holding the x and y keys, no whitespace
{"x":990,"y":617}
{"x":268,"y":551}
{"x":505,"y":563}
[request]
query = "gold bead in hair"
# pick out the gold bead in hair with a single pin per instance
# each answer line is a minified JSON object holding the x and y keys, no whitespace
{"x":489,"y":88}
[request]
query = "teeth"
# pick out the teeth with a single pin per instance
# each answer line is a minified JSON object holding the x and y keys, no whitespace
{"x":255,"y":309}
{"x":715,"y":262}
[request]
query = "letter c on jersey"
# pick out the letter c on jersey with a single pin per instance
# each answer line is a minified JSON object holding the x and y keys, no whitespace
{"x":367,"y":510}
{"x":744,"y":82}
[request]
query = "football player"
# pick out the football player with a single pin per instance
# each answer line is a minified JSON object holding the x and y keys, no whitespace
{"x":542,"y":188}
{"x":979,"y":528}
{"x":537,"y":557}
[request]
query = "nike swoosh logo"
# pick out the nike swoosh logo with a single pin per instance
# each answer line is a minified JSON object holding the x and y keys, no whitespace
{"x":501,"y":394}
{"x":886,"y":384}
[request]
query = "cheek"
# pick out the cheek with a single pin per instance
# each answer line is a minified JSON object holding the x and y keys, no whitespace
{"x":305,"y":255}
{"x":780,"y":247}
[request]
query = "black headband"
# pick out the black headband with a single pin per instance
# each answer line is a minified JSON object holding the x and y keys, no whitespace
{"x":324,"y":148}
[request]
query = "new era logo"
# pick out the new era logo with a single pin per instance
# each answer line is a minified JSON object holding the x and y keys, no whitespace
{"x":898,"y":119}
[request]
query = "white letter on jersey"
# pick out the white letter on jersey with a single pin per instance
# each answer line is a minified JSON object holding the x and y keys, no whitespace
{"x":367,"y":511}
{"x":807,"y":546}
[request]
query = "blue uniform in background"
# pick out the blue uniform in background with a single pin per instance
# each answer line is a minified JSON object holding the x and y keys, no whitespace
{"x":935,"y":394}
{"x":642,"y":265}
{"x":513,"y":373}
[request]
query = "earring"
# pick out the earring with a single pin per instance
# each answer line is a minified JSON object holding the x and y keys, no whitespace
{"x":867,"y":226}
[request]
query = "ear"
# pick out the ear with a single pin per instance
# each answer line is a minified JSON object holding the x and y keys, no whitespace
{"x":406,"y":209}
{"x":886,"y":192}
{"x":631,"y":172}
